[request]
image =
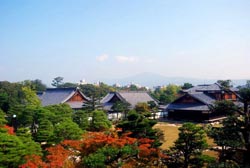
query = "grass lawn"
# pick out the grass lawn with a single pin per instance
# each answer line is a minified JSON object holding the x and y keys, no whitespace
{"x":170,"y":131}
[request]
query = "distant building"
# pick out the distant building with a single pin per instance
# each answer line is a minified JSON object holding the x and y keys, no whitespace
{"x":197,"y":101}
{"x":131,"y":97}
{"x":71,"y":96}
{"x":83,"y":82}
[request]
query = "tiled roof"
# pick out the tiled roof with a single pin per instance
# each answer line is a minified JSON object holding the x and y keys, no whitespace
{"x":189,"y":106}
{"x":200,"y":93}
{"x":58,"y":95}
{"x":108,"y":106}
{"x":205,"y":87}
{"x":55,"y":95}
{"x":108,"y":97}
{"x":204,"y":99}
{"x":132,"y":97}
{"x":208,"y":87}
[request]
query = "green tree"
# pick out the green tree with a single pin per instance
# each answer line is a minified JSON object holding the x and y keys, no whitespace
{"x":30,"y":97}
{"x":186,"y":86}
{"x":45,"y":132}
{"x":67,"y":130}
{"x":143,"y":109}
{"x":12,"y":150}
{"x":190,"y":144}
{"x":95,"y":160}
{"x":172,"y":91}
{"x":133,"y":87}
{"x":98,"y":91}
{"x":68,"y":85}
{"x":81,"y":118}
{"x":140,"y":127}
{"x":227,"y":138}
{"x":225,"y":83}
{"x":35,"y":85}
{"x":121,"y":107}
{"x":99,"y":121}
{"x":31,"y":147}
{"x":92,"y":104}
{"x":4,"y":101}
{"x":24,"y":114}
{"x":3,"y":121}
{"x":11,"y":94}
{"x":56,"y":82}
{"x":167,"y":94}
{"x":153,"y":108}
{"x":235,"y":132}
{"x":59,"y":112}
{"x":105,"y":156}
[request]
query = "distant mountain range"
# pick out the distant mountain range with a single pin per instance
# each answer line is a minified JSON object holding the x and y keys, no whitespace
{"x":152,"y":79}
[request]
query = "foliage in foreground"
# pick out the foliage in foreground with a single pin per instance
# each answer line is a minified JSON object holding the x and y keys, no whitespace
{"x":99,"y":149}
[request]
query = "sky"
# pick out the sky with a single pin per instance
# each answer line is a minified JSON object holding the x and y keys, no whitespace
{"x":94,"y":39}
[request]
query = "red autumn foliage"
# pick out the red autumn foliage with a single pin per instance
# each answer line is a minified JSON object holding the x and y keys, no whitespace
{"x":10,"y":130}
{"x":58,"y":156}
{"x":92,"y":141}
{"x":75,"y":144}
{"x":145,"y":148}
{"x":34,"y":161}
{"x":63,"y":155}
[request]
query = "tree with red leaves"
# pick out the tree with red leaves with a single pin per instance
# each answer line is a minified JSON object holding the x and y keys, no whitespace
{"x":34,"y":161}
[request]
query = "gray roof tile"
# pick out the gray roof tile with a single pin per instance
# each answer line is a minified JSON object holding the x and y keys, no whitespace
{"x":205,"y":87}
{"x":203,"y":98}
{"x":132,"y":97}
{"x":54,"y":96}
{"x":190,"y":106}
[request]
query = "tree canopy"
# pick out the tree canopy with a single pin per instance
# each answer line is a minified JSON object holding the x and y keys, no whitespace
{"x":190,"y":144}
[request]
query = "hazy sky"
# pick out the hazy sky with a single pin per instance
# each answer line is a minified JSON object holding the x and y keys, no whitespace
{"x":43,"y":39}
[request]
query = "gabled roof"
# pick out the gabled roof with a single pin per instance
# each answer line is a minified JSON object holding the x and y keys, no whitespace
{"x":134,"y":98}
{"x":209,"y":88}
{"x":204,"y":98}
{"x":110,"y":95}
{"x":58,"y":95}
{"x":131,"y":97}
{"x":204,"y":102}
{"x":205,"y":87}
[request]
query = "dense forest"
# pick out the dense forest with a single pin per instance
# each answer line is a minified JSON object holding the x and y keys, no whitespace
{"x":34,"y":136}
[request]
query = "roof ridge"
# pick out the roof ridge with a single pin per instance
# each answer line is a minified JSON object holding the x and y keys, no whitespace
{"x":64,"y":88}
{"x":123,"y":91}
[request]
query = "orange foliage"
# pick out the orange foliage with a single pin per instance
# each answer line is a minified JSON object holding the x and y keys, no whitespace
{"x":58,"y":156}
{"x":145,"y":149}
{"x":62,"y":155}
{"x":10,"y":130}
{"x":34,"y":161}
{"x":92,"y":141}
{"x":75,"y":144}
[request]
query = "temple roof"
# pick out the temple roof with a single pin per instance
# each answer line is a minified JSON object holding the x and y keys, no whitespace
{"x":60,"y":95}
{"x":131,"y":97}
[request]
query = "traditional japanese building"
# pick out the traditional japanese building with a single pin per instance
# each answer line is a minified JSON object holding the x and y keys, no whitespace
{"x":196,"y":102}
{"x":71,"y":96}
{"x":130,"y":97}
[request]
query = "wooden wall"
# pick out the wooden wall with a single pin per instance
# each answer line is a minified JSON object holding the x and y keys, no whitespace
{"x":229,"y":96}
{"x":77,"y":97}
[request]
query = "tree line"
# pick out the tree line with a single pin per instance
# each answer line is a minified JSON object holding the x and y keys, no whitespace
{"x":56,"y":136}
